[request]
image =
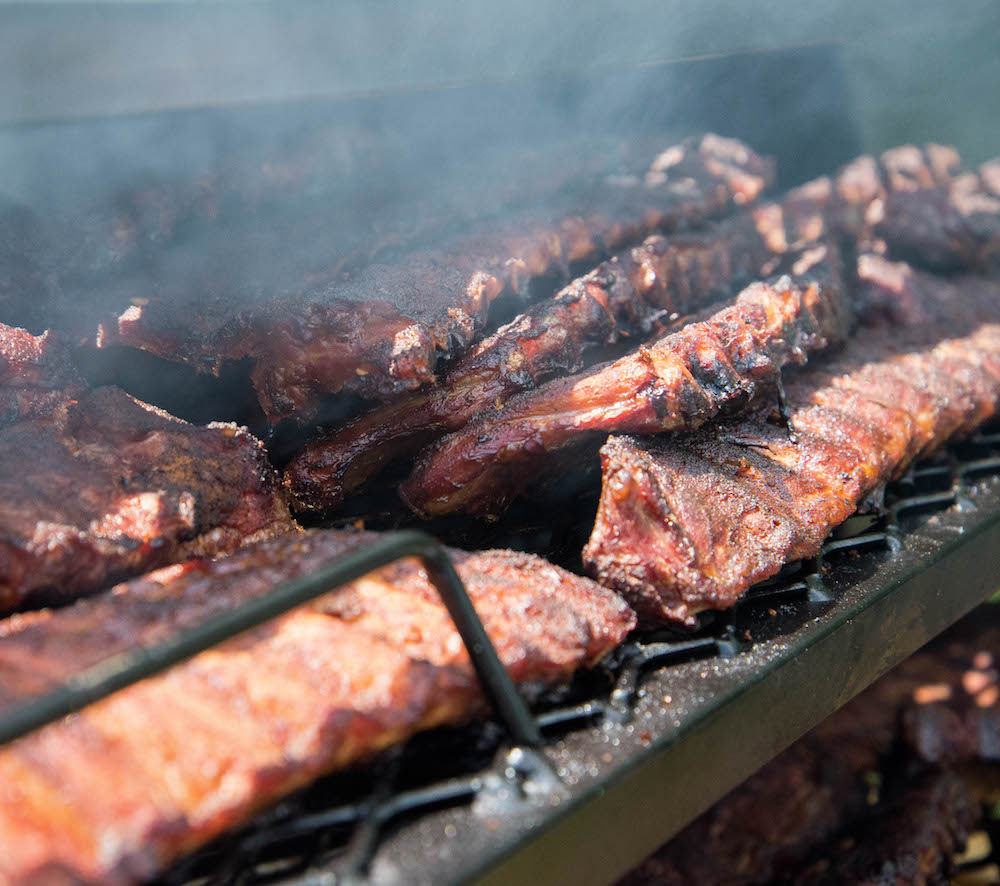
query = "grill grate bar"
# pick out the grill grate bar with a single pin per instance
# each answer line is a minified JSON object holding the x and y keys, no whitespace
{"x":801,"y":588}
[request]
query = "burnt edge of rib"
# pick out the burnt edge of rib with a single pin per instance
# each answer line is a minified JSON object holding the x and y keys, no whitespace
{"x":128,"y":668}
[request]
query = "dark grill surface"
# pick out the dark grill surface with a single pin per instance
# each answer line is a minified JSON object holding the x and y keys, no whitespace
{"x":636,"y":749}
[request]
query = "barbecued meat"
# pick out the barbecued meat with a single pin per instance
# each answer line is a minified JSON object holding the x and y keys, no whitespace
{"x":314,"y":325}
{"x":681,"y":381}
{"x":105,"y":487}
{"x":688,"y":524}
{"x":915,"y":204}
{"x":824,"y":785}
{"x":952,"y":226}
{"x":201,"y":748}
{"x":332,"y":194}
{"x":953,"y":714}
{"x":908,"y":841}
{"x":628,"y":296}
{"x":36,"y":374}
{"x":623,"y":297}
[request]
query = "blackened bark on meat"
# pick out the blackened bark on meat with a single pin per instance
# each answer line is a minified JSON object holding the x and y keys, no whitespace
{"x":356,"y":671}
{"x":681,"y":381}
{"x":625,"y":297}
{"x":380,"y":329}
{"x":36,"y":374}
{"x":951,"y":226}
{"x":913,"y":204}
{"x":105,"y":487}
{"x":777,"y":817}
{"x":429,"y":307}
{"x":895,"y":294}
{"x":688,"y":524}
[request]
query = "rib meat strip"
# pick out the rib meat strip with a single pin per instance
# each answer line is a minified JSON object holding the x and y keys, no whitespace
{"x":680,"y":381}
{"x":688,"y":524}
{"x":203,"y":747}
{"x":105,"y":487}
{"x":913,"y":204}
{"x":36,"y":374}
{"x":623,"y":297}
{"x":311,"y":329}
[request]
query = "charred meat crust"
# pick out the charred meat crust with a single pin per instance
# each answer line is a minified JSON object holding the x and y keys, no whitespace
{"x":36,"y":374}
{"x":624,"y":297}
{"x":688,"y":524}
{"x":428,"y":305}
{"x":105,"y":487}
{"x":247,"y":722}
{"x":679,"y":382}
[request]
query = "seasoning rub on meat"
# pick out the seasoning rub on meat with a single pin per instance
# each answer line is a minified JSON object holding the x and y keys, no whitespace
{"x":102,"y":486}
{"x":114,"y":793}
{"x":680,"y":382}
{"x":382,"y":328}
{"x":689,"y":523}
{"x":36,"y":374}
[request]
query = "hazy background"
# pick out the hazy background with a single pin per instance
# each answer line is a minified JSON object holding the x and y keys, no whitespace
{"x":917,"y":70}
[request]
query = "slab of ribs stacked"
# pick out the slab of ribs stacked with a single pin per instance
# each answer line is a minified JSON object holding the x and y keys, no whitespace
{"x":746,"y":371}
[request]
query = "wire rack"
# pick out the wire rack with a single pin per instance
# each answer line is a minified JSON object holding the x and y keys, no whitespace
{"x":459,"y":804}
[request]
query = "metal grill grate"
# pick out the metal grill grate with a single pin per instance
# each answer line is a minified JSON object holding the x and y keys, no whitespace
{"x":446,"y":802}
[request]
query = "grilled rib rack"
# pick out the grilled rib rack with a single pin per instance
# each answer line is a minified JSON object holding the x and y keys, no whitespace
{"x":633,"y":752}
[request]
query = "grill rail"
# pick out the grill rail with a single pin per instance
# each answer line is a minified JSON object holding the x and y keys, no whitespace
{"x":659,"y":727}
{"x":633,"y":752}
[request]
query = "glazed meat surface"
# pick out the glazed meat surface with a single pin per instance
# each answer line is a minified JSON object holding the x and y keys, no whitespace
{"x":36,"y":374}
{"x":679,"y":382}
{"x":689,"y":523}
{"x":202,"y":747}
{"x":105,"y":487}
{"x":313,"y":326}
{"x":624,"y":297}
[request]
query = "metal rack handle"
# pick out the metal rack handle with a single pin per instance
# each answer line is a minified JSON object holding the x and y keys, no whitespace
{"x":127,"y":668}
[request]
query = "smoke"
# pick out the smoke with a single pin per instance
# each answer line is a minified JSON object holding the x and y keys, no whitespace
{"x":242,"y":148}
{"x":911,"y":67}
